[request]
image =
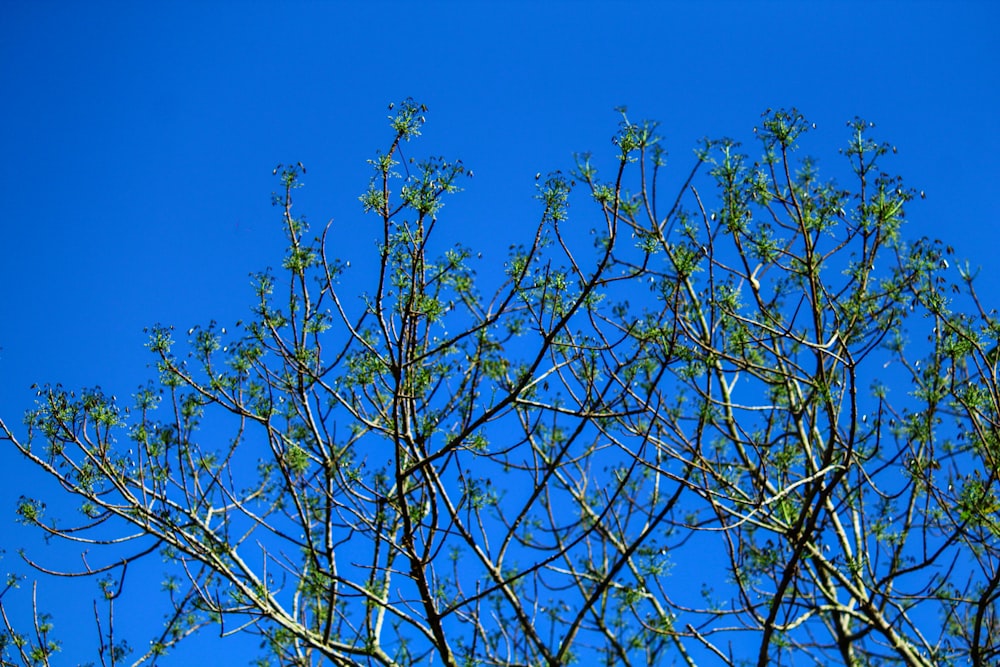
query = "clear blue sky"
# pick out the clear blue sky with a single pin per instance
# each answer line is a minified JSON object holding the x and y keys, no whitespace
{"x":138,"y":139}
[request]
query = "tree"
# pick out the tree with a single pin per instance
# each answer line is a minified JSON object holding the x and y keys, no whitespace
{"x":529,"y":472}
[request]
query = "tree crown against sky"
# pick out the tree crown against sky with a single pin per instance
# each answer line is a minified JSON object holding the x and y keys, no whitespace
{"x":721,"y":412}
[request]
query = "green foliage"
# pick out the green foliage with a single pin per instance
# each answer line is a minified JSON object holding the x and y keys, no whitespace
{"x":536,"y":471}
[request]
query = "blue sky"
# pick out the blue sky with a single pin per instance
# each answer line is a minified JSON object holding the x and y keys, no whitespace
{"x":138,"y":140}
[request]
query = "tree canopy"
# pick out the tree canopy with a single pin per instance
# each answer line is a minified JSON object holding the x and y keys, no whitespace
{"x":720,"y":413}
